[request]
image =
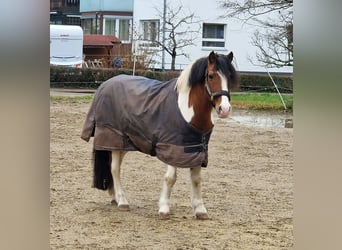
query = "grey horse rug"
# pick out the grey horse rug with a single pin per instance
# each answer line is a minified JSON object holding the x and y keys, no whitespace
{"x":136,"y":113}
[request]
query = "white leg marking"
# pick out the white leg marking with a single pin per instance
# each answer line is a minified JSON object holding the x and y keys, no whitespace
{"x":118,"y":193}
{"x":196,"y":194}
{"x":164,"y":201}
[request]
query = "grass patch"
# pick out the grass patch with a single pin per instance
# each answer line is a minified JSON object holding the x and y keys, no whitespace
{"x":261,"y":101}
{"x":255,"y":101}
{"x":73,"y":99}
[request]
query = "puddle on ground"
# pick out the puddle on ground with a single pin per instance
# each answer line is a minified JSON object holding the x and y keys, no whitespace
{"x":258,"y":121}
{"x":261,"y":119}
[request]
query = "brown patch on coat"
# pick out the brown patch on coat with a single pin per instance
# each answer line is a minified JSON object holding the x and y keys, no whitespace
{"x":200,"y":100}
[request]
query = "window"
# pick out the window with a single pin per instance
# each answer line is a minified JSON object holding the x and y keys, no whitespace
{"x":213,"y":35}
{"x":56,"y":4}
{"x":119,"y":27}
{"x":124,"y":29}
{"x":110,"y":26}
{"x":73,"y":2}
{"x":150,"y":29}
{"x":90,"y":25}
{"x":73,"y":20}
{"x":87,"y":25}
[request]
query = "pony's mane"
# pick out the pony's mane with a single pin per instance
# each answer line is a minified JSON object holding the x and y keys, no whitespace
{"x":195,"y":72}
{"x":183,"y":79}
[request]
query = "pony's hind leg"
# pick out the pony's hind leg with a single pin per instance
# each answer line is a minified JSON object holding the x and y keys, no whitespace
{"x":164,"y":201}
{"x":196,"y":194}
{"x":117,"y":191}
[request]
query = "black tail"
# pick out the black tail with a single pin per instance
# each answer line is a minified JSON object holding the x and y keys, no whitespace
{"x":102,"y":160}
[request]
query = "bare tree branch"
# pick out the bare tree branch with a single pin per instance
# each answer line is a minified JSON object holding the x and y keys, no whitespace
{"x":275,"y":41}
{"x":181,"y":28}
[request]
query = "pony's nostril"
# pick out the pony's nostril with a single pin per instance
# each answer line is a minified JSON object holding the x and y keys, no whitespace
{"x":223,"y":111}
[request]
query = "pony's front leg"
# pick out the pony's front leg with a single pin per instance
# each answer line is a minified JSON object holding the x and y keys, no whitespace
{"x":196,"y":194}
{"x":164,"y":201}
{"x":117,"y":191}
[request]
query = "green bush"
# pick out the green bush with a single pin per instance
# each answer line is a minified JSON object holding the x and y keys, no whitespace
{"x":263,"y":83}
{"x":65,"y":77}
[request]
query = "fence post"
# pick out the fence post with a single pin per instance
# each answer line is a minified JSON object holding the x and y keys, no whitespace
{"x":276,"y":88}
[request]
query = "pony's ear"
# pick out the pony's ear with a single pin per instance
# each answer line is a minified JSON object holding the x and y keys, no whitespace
{"x":230,"y":56}
{"x":212,"y":57}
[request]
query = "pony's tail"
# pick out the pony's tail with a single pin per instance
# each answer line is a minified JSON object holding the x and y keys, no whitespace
{"x":103,"y":178}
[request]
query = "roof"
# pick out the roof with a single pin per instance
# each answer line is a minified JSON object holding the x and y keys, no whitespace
{"x":100,"y":40}
{"x":63,"y":31}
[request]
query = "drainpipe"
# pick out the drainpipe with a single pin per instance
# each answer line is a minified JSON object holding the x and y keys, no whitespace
{"x":96,"y":18}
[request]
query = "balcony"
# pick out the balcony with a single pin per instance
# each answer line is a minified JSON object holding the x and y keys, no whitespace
{"x":106,"y":5}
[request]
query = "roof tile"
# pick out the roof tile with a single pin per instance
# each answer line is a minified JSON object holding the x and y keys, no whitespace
{"x":100,"y":40}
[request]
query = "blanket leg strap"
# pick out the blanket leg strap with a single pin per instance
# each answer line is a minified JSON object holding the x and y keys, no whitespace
{"x":153,"y":148}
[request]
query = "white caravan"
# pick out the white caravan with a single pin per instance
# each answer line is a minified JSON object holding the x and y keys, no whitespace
{"x":66,"y":45}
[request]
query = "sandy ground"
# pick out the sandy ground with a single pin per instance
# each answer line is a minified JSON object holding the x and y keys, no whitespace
{"x":247,"y":189}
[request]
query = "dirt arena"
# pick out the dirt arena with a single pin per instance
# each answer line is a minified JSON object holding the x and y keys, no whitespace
{"x":247,"y":189}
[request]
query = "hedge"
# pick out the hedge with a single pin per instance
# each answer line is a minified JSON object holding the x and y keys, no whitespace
{"x":91,"y":78}
{"x":263,"y":83}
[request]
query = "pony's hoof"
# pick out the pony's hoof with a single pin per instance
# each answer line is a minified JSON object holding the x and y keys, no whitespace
{"x":202,"y":216}
{"x":113,"y":202}
{"x":123,"y":207}
{"x":164,"y":216}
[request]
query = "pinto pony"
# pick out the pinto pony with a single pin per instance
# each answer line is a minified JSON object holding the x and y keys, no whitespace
{"x":170,"y":120}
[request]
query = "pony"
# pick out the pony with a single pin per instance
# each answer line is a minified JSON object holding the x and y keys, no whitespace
{"x":171,"y":120}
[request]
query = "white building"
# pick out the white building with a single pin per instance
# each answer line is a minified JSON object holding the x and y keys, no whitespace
{"x":219,"y":34}
{"x":140,"y":22}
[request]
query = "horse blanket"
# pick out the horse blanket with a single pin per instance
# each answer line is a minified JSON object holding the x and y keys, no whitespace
{"x":136,"y":113}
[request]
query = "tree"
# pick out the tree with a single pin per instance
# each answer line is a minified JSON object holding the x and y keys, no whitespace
{"x":274,"y":38}
{"x":143,"y":56}
{"x":181,"y":29}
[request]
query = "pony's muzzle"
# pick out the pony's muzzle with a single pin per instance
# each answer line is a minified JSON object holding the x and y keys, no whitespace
{"x":223,"y":108}
{"x":223,"y":111}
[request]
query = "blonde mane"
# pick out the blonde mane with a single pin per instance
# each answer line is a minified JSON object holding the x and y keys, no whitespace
{"x":182,"y":85}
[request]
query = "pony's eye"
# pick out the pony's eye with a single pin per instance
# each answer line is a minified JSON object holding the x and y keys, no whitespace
{"x":211,"y":76}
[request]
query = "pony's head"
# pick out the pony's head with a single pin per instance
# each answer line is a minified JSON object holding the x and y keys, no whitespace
{"x":218,"y":76}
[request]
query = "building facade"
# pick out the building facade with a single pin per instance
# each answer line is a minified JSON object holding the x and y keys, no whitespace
{"x":214,"y":33}
{"x":139,"y":26}
{"x":208,"y":32}
{"x":107,"y":17}
{"x":65,"y":12}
